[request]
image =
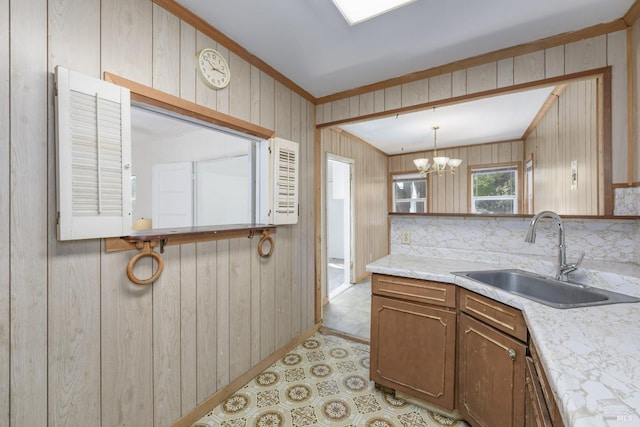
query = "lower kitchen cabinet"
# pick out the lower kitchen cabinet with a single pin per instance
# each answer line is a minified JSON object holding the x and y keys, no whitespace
{"x":413,"y":344}
{"x":491,"y":375}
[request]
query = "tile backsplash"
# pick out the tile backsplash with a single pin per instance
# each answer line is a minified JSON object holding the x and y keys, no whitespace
{"x":611,"y":240}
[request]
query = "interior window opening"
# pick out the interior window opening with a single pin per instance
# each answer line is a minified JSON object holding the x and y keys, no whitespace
{"x":187,"y":173}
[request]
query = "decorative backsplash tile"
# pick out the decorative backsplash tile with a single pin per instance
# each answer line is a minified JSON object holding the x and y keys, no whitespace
{"x":627,"y":201}
{"x":615,"y":240}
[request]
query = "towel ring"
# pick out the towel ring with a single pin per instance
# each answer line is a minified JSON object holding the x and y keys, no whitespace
{"x":266,"y":237}
{"x":146,"y":251}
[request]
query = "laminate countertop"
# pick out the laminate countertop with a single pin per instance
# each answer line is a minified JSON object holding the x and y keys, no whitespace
{"x":591,"y":355}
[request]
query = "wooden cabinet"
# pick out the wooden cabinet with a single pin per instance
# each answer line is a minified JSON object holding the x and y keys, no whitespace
{"x":542,"y":409}
{"x":490,"y":363}
{"x":413,"y":331}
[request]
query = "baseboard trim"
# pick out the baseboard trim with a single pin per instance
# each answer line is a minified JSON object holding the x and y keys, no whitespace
{"x":329,"y":331}
{"x":215,"y":399}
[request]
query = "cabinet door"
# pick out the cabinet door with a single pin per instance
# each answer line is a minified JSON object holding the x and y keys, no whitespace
{"x":491,"y":375}
{"x":536,"y":413}
{"x":413,"y":349}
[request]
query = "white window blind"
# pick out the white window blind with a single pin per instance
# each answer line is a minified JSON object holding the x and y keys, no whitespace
{"x":282,"y":192}
{"x":93,"y":142}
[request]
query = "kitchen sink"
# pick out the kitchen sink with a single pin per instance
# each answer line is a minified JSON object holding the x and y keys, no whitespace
{"x":546,"y":290}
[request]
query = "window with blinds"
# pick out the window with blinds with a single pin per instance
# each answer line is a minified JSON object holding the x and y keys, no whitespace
{"x":93,"y":157}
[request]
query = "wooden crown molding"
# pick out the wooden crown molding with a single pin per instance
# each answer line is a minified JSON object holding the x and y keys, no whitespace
{"x":201,"y":25}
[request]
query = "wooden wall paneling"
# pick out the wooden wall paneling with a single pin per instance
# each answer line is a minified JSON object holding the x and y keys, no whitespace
{"x":529,"y":67}
{"x":505,"y":72}
{"x":74,"y":36}
{"x":127,"y":50}
{"x":459,"y":83}
{"x":187,"y":62}
{"x":634,"y":141}
{"x":393,"y":97}
{"x":240,"y":314}
{"x":223,"y":310}
{"x":482,"y":77}
{"x":354,"y":106}
{"x":320,"y":113}
{"x":367,"y":104}
{"x":282,"y":111}
{"x":5,"y":237}
{"x":267,"y":101}
{"x":255,"y":95}
{"x":586,"y":54}
{"x":340,"y":109}
{"x":379,"y":100}
{"x":126,"y":324}
{"x":28,"y":211}
{"x":166,"y":340}
{"x":73,"y":275}
{"x":188,"y":328}
{"x":255,"y":266}
{"x":204,"y":94}
{"x":296,"y":230}
{"x":440,"y":87}
{"x":223,"y":95}
{"x":554,"y":61}
{"x":308,"y":211}
{"x":617,"y":59}
{"x":283,"y":302}
{"x":206,"y":319}
{"x":240,"y":88}
{"x":268,"y":302}
{"x":166,"y":51}
{"x":395,"y":163}
{"x":415,"y":93}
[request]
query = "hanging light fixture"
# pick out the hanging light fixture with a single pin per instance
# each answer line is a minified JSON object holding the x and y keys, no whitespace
{"x":440,"y":164}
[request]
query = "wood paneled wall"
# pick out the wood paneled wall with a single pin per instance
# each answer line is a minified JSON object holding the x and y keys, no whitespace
{"x":370,"y":173}
{"x":449,"y":193}
{"x":588,"y":54}
{"x":79,"y":343}
{"x":568,"y":132}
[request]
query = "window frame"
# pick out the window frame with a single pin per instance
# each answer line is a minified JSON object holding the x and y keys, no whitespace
{"x":392,"y":199}
{"x":506,"y":165}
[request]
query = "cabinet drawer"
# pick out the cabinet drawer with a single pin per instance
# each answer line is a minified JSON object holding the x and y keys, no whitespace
{"x":500,"y":316}
{"x":425,"y":291}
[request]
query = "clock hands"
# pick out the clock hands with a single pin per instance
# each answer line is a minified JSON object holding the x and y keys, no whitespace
{"x":214,"y":68}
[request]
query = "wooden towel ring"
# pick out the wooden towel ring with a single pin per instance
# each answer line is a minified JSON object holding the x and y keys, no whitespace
{"x":146,"y":251}
{"x":266,"y":237}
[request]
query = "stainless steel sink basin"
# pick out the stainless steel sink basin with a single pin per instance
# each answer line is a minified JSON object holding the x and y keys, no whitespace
{"x":546,"y":290}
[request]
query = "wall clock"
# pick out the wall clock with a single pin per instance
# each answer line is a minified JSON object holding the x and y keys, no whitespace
{"x":213,"y":68}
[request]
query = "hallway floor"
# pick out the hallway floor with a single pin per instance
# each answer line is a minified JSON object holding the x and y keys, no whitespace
{"x":350,"y":311}
{"x":322,"y":382}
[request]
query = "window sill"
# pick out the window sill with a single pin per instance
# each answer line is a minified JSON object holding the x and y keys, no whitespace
{"x":162,"y":237}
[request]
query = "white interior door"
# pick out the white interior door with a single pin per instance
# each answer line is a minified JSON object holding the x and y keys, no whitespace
{"x":172,"y":195}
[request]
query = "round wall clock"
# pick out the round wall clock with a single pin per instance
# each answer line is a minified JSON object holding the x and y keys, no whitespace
{"x":213,"y":68}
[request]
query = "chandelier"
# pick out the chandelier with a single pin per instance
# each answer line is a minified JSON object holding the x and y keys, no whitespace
{"x":440,"y":164}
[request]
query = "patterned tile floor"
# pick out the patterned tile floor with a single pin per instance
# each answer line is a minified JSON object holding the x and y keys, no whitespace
{"x":322,"y":382}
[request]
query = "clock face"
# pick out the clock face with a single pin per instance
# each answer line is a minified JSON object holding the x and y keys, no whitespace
{"x":213,"y":68}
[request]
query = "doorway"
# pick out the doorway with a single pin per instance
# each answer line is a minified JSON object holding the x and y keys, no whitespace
{"x":339,"y":225}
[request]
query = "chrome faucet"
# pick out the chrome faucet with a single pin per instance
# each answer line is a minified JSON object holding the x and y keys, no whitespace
{"x":562,"y":269}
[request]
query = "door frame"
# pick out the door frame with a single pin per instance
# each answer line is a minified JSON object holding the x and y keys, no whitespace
{"x":323,"y":212}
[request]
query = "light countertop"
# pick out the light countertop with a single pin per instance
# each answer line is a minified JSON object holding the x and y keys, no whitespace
{"x":591,"y":355}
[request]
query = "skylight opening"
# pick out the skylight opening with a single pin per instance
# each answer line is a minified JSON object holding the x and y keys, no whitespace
{"x":356,"y":11}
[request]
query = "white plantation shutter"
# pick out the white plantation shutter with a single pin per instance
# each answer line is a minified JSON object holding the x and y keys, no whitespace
{"x":283,"y":181}
{"x":93,"y":141}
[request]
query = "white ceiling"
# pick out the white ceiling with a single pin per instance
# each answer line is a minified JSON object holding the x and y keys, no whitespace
{"x":309,"y":42}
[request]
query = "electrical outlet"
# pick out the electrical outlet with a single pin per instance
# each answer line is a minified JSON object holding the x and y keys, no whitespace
{"x":405,"y":237}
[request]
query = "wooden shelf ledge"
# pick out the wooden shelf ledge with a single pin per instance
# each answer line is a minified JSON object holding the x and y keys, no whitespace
{"x":161,"y":237}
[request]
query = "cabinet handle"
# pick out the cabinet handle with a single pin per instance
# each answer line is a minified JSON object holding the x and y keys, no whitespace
{"x":512,"y":354}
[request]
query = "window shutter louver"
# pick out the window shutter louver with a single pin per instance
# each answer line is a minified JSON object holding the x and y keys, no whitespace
{"x":93,"y":157}
{"x":284,"y":166}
